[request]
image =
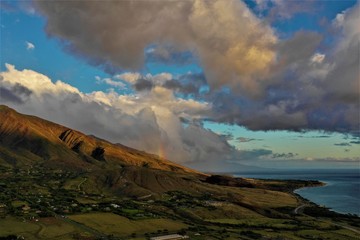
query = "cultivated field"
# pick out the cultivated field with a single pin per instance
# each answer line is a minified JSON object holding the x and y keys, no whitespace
{"x":110,"y":223}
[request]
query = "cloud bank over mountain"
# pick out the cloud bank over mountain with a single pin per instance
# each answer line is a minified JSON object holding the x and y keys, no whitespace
{"x":150,"y":121}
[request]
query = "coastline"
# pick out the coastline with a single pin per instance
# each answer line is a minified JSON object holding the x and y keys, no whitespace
{"x":307,"y":202}
{"x":337,"y":191}
{"x":322,"y":184}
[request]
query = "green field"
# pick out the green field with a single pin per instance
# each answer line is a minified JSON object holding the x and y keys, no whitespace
{"x":17,"y":203}
{"x":267,"y":198}
{"x":11,"y":225}
{"x":46,"y":228}
{"x":110,"y":223}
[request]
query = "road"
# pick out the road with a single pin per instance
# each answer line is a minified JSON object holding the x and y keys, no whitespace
{"x":85,"y":228}
{"x":300,"y":209}
{"x":347,"y":227}
{"x":79,"y":185}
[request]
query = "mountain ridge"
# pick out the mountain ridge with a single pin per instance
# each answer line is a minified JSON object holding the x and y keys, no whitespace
{"x":36,"y":136}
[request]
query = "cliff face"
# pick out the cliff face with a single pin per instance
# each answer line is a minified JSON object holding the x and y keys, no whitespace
{"x":35,"y":139}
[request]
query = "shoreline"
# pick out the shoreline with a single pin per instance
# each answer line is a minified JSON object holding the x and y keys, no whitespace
{"x":329,"y":197}
{"x":322,"y":184}
{"x":323,"y":207}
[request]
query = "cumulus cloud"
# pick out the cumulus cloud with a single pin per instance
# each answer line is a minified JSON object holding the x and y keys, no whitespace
{"x":292,"y":85}
{"x":308,"y":90}
{"x":232,"y":44}
{"x":29,"y":45}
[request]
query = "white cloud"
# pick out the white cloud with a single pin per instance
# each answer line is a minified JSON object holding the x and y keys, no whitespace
{"x":338,"y":21}
{"x":29,"y":45}
{"x":111,"y":82}
{"x":130,"y":77}
{"x":317,"y":58}
{"x":133,"y":77}
{"x":38,"y":83}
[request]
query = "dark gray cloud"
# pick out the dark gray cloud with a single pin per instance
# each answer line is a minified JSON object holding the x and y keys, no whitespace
{"x":255,"y":154}
{"x":299,"y":48}
{"x":319,"y":136}
{"x":187,"y":84}
{"x":227,"y":136}
{"x":13,"y":93}
{"x":7,"y":95}
{"x":343,"y":144}
{"x":284,"y":155}
{"x":169,"y":55}
{"x":244,"y":139}
{"x":143,"y":84}
{"x":182,"y":88}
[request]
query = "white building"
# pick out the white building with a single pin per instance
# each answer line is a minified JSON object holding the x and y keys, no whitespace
{"x":169,"y":237}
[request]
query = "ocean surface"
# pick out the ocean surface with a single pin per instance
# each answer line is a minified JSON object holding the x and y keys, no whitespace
{"x":341,"y":192}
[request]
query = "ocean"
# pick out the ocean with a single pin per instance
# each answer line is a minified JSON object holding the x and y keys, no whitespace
{"x":341,"y":192}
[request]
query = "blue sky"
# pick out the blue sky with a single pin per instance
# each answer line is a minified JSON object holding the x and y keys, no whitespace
{"x":20,"y":24}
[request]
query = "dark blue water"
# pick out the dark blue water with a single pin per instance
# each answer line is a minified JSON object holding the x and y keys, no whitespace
{"x":341,"y":192}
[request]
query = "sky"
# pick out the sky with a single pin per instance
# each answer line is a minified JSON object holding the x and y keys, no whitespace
{"x":215,"y":85}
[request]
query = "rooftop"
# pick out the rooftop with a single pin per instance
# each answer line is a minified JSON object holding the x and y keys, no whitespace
{"x":169,"y":237}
